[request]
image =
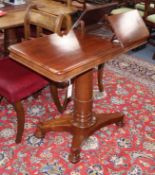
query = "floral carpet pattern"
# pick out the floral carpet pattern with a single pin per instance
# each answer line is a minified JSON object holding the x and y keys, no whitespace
{"x":112,"y":150}
{"x":134,"y":69}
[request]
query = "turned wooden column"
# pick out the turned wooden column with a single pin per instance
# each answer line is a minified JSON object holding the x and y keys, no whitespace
{"x":83,"y":100}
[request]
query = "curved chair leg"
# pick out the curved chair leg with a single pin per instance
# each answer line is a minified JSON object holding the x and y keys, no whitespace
{"x":100,"y":75}
{"x":54,"y":94}
{"x":1,"y":98}
{"x":20,"y":120}
{"x":36,"y":94}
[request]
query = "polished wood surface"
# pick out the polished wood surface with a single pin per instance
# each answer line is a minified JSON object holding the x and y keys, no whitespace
{"x":77,"y":49}
{"x":74,"y":56}
{"x":123,"y":32}
{"x":12,"y":19}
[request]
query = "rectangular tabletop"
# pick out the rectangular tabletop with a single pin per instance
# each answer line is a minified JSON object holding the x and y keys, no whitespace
{"x":13,"y":18}
{"x":62,"y":58}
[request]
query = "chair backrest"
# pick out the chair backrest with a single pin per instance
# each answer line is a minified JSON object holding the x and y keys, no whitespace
{"x":67,"y":2}
{"x":150,"y":20}
{"x":149,"y":8}
{"x":129,"y":28}
{"x":60,"y":24}
{"x":79,"y":4}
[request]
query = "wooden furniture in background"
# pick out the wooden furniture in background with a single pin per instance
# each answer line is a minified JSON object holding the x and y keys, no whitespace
{"x":93,"y":17}
{"x":9,"y":24}
{"x":60,"y":24}
{"x":75,"y":56}
{"x":125,"y":6}
{"x":14,"y":18}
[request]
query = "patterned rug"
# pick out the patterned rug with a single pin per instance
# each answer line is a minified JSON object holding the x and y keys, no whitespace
{"x":110,"y":151}
{"x":134,"y":69}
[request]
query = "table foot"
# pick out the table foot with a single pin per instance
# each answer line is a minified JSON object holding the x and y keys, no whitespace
{"x":80,"y":135}
{"x":74,"y":156}
{"x":120,"y":123}
{"x":60,"y":124}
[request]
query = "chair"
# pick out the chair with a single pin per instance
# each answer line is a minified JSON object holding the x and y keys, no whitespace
{"x":18,"y":82}
{"x":124,"y":7}
{"x":141,"y":5}
{"x":46,"y":24}
{"x":150,"y":21}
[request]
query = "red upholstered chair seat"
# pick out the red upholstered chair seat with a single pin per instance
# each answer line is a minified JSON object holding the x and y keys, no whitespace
{"x":17,"y":81}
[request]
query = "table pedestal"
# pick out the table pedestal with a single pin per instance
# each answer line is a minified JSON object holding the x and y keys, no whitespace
{"x":82,"y":122}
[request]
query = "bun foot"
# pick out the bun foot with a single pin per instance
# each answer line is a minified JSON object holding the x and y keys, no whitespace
{"x":39,"y":133}
{"x":120,"y":123}
{"x":74,"y":157}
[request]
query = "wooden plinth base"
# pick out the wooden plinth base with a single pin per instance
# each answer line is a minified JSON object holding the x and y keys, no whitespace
{"x":65,"y":123}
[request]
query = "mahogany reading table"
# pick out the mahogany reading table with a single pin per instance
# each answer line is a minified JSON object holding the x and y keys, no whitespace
{"x":74,"y":56}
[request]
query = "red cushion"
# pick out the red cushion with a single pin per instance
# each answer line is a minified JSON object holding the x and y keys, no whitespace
{"x":17,"y":81}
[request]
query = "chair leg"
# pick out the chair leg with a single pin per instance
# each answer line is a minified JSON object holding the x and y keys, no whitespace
{"x":1,"y":98}
{"x":153,"y":57}
{"x":100,"y":76}
{"x":11,"y":36}
{"x":36,"y":94}
{"x":6,"y":41}
{"x":20,"y":120}
{"x":54,"y":94}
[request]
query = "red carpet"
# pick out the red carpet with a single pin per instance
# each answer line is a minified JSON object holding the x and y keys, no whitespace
{"x":110,"y":151}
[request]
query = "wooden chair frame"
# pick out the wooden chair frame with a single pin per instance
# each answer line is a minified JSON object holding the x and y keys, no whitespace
{"x":150,"y":11}
{"x":59,"y":21}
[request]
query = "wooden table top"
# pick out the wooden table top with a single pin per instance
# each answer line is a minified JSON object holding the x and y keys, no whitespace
{"x":62,"y":58}
{"x":12,"y":19}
